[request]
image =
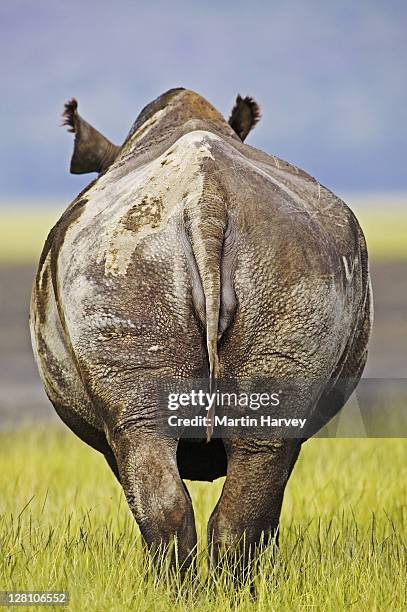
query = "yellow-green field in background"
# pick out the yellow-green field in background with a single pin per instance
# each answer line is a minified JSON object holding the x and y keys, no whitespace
{"x":385,"y":231}
{"x":23,"y":231}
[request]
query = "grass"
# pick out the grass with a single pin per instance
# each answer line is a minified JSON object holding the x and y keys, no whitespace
{"x":23,"y":231}
{"x":64,"y":524}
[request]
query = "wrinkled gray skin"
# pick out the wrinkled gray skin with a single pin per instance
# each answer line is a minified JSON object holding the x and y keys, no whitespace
{"x":193,"y":253}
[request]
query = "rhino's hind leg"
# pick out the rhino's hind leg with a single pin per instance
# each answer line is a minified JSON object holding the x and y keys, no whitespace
{"x":248,"y":511}
{"x":157,"y":496}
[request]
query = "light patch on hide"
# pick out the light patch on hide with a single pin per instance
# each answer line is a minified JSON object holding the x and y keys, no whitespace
{"x":49,"y":332}
{"x":149,"y":124}
{"x":109,"y":322}
{"x":52,"y":352}
{"x":121,"y":211}
{"x":81,"y":290}
{"x":150,"y":196}
{"x":346,"y":267}
{"x":349,"y":271}
{"x":45,"y":267}
{"x":154,"y":348}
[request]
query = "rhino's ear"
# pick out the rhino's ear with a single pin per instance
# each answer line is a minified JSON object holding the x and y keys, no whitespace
{"x":244,"y":116}
{"x":92,"y":151}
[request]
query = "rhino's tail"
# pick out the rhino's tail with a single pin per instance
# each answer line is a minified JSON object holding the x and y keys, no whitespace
{"x":207,"y":229}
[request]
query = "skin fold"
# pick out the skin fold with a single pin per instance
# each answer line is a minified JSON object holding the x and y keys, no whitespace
{"x":192,"y":256}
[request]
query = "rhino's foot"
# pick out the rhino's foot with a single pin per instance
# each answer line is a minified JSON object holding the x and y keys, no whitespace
{"x":157,"y":497}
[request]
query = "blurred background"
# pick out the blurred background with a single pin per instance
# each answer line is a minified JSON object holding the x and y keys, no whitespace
{"x":331,"y":81}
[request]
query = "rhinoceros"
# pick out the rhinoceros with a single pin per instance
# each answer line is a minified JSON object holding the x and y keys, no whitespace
{"x":193,"y":255}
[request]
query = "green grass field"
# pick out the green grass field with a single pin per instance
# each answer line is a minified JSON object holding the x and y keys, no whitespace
{"x":23,"y":231}
{"x":64,"y":524}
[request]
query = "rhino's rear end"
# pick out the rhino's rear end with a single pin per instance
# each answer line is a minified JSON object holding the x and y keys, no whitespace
{"x":191,"y":266}
{"x":193,"y":256}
